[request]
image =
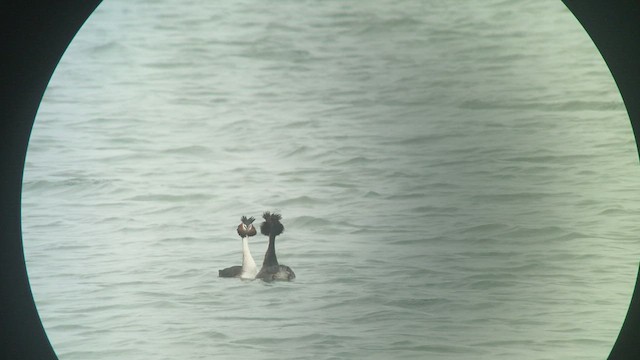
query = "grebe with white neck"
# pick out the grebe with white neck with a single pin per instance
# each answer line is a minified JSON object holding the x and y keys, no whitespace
{"x":249,"y":269}
{"x":271,"y":269}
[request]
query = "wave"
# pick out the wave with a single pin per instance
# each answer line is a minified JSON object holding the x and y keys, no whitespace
{"x":435,"y":210}
{"x":357,"y":160}
{"x":300,"y":200}
{"x":189,"y":150}
{"x":168,"y":197}
{"x":517,"y":197}
{"x":564,"y":106}
{"x":308,"y":221}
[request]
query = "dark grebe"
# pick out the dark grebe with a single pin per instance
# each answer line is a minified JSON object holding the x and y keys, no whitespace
{"x":248,"y":269}
{"x":271,"y":270}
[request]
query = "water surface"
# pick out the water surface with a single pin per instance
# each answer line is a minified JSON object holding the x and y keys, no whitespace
{"x":456,"y":182}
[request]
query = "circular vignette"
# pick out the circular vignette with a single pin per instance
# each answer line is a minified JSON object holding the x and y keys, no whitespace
{"x":614,"y":27}
{"x":34,"y":39}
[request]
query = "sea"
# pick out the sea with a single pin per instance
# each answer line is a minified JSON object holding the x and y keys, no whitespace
{"x":457,"y":180}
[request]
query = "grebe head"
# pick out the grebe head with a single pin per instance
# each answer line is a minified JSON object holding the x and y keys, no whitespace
{"x":271,"y":224}
{"x":246,"y":227}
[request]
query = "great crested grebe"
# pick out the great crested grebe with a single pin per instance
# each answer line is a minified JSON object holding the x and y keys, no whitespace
{"x":271,"y":269}
{"x":248,"y":270}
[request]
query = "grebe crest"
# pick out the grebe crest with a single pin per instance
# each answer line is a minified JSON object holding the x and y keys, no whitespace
{"x":271,"y":224}
{"x":246,"y":227}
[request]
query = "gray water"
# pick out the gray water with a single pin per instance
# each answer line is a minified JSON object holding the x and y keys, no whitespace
{"x":457,"y":181}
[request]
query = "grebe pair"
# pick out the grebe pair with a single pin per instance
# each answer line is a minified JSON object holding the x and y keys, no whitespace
{"x":271,"y":270}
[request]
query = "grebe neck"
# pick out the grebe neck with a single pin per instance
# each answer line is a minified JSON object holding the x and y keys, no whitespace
{"x":249,"y":268}
{"x":270,"y":258}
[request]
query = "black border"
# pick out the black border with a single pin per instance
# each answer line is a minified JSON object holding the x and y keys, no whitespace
{"x":33,"y":37}
{"x":614,"y":27}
